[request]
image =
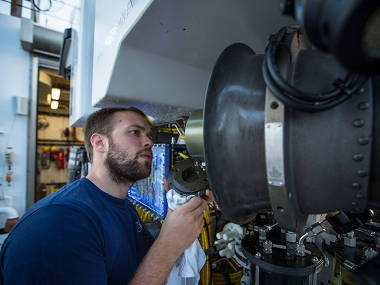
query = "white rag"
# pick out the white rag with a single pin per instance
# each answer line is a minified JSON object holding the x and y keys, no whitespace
{"x":188,"y":265}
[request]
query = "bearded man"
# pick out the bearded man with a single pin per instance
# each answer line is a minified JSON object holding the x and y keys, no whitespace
{"x":88,"y":232}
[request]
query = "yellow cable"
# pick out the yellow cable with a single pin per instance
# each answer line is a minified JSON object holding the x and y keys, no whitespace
{"x":205,"y":243}
{"x":185,"y":156}
{"x":164,"y":129}
{"x":144,"y":216}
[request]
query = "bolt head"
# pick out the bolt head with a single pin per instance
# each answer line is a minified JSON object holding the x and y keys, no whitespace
{"x":363,"y":106}
{"x":363,"y":140}
{"x":359,"y":196}
{"x":358,"y":123}
{"x":356,"y":185}
{"x":358,"y":157}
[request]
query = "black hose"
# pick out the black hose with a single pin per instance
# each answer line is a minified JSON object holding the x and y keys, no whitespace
{"x":297,"y":99}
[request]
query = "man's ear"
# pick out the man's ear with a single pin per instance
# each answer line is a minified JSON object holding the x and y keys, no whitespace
{"x":99,"y":143}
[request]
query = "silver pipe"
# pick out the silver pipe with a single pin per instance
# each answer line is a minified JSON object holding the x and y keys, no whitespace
{"x":257,"y":275}
{"x":178,"y":129}
{"x":301,"y":240}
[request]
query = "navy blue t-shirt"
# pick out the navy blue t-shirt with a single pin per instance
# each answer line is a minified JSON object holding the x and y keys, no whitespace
{"x":78,"y":235}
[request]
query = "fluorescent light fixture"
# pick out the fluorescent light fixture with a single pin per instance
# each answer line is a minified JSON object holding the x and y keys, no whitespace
{"x":54,"y":105}
{"x":55,"y":93}
{"x":48,"y":99}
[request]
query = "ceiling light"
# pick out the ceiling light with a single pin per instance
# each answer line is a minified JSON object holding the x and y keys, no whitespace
{"x":48,"y":99}
{"x":55,"y":93}
{"x":54,"y":105}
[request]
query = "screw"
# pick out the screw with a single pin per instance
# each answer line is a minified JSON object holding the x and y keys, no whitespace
{"x":363,"y":106}
{"x":363,"y":140}
{"x":358,"y":157}
{"x":358,"y":123}
{"x":262,"y":234}
{"x":258,"y":255}
{"x":281,"y":209}
{"x":354,"y":203}
{"x":315,"y":259}
{"x":267,"y":247}
{"x":356,"y":185}
{"x":362,"y":173}
{"x":359,"y":196}
{"x":361,"y":90}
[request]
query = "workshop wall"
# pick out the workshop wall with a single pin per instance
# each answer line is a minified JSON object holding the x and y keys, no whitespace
{"x":55,"y":138}
{"x":15,"y":70}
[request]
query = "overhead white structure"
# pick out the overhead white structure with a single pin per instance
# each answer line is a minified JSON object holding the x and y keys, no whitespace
{"x":158,"y":55}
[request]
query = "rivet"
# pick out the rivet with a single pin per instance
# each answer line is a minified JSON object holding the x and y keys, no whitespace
{"x":356,"y":185}
{"x":362,"y":173}
{"x":359,"y":196}
{"x":358,"y":123}
{"x":361,"y":90}
{"x":363,"y":106}
{"x":358,"y":157}
{"x":363,"y":140}
{"x":354,"y":203}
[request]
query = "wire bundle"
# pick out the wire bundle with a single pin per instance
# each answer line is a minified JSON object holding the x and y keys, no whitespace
{"x":220,"y":278}
{"x":144,"y":216}
{"x":297,"y":99}
{"x":206,"y":242}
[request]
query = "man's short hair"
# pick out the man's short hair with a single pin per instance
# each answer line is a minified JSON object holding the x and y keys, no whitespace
{"x":101,"y":122}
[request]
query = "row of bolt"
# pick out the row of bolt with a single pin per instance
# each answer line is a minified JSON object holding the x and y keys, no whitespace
{"x":358,"y":157}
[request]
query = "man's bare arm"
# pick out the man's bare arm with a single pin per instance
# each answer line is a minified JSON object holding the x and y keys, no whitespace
{"x":178,"y":232}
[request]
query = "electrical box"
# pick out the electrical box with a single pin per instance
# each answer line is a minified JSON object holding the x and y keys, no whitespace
{"x":20,"y":105}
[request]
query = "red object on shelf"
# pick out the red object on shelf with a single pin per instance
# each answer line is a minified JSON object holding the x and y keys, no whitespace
{"x":61,"y":159}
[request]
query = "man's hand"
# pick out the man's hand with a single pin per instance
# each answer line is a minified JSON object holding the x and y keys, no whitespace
{"x":178,"y":232}
{"x":210,"y":197}
{"x":183,"y":226}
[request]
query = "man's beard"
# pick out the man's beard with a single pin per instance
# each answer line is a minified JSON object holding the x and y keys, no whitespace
{"x":122,"y":169}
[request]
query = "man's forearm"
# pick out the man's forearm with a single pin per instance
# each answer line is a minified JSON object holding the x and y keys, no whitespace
{"x":156,"y":266}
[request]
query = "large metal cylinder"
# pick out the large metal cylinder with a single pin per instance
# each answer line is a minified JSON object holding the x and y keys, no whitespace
{"x":194,"y":135}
